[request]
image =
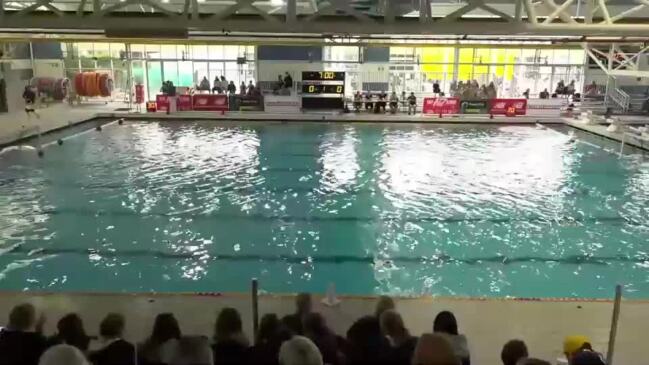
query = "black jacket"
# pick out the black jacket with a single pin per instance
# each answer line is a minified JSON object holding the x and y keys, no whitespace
{"x":21,"y":348}
{"x":119,"y":352}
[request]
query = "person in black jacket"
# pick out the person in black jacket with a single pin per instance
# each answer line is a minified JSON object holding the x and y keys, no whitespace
{"x":230,"y":343}
{"x":272,"y":333}
{"x":71,"y":332}
{"x":116,"y":351}
{"x":302,"y":309}
{"x":21,"y":342}
{"x":165,"y":330}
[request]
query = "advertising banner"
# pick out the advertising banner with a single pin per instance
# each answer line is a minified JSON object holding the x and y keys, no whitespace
{"x":441,"y":105}
{"x":282,"y":104}
{"x":509,"y":107}
{"x":162,"y":102}
{"x":211,"y":102}
{"x":547,"y":107}
{"x":474,"y":106}
{"x":246,"y":103}
{"x":183,"y":103}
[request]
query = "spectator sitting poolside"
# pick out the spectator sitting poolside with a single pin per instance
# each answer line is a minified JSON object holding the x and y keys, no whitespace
{"x":189,"y":350}
{"x":63,"y":355}
{"x":574,"y":344}
{"x":299,"y":350}
{"x":230,"y":343}
{"x":303,"y":305}
{"x":70,"y":331}
{"x":513,"y":351}
{"x":165,"y":331}
{"x":21,"y":342}
{"x":446,"y":325}
{"x":115,"y":350}
{"x":433,"y":349}
{"x":316,"y":329}
{"x":272,"y":333}
{"x":402,"y":344}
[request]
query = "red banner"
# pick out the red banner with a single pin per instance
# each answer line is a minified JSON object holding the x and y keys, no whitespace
{"x":215,"y":102}
{"x":509,"y":107}
{"x":162,"y":102}
{"x":183,"y":103}
{"x":441,"y":105}
{"x":139,"y":94}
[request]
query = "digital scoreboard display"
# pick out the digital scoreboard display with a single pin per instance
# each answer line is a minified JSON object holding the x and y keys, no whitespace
{"x":323,"y":76}
{"x":323,"y":90}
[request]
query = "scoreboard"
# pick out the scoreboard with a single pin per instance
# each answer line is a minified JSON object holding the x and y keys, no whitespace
{"x":323,"y":90}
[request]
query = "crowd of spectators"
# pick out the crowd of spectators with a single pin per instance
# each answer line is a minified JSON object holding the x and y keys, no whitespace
{"x":471,"y":90}
{"x":302,"y":338}
{"x":222,"y":86}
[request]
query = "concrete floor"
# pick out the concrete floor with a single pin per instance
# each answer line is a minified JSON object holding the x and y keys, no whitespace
{"x":487,"y":323}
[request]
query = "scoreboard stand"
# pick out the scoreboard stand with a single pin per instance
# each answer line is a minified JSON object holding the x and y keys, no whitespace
{"x":323,"y":90}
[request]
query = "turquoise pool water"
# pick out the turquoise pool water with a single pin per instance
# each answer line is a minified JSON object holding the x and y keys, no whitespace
{"x":460,"y":210}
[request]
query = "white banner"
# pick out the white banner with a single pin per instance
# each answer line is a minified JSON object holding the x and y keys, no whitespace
{"x":546,"y":107}
{"x":282,"y":104}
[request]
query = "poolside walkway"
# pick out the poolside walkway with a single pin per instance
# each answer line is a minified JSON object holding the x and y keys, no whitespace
{"x":488,"y":323}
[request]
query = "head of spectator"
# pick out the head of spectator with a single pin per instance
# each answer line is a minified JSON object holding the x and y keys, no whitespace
{"x":112,"y":326}
{"x":229,"y":327}
{"x":165,"y":328}
{"x":446,"y":325}
{"x":269,"y":327}
{"x":393,"y":327}
{"x":70,"y":331}
{"x":587,"y":357}
{"x":190,"y":350}
{"x":513,"y":351}
{"x":63,"y":355}
{"x":299,"y":350}
{"x":445,"y":322}
{"x":574,"y":344}
{"x":316,"y":329}
{"x":384,"y":303}
{"x":22,"y":318}
{"x":433,"y":349}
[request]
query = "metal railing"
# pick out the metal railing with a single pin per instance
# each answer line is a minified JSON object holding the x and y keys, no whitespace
{"x":621,"y":99}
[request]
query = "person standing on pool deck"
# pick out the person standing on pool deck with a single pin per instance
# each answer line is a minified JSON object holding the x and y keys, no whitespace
{"x":30,"y":98}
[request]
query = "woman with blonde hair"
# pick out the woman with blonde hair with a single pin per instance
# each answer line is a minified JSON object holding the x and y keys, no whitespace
{"x":434,"y":349}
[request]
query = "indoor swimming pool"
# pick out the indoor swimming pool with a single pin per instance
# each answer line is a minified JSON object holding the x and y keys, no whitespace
{"x":407,"y":209}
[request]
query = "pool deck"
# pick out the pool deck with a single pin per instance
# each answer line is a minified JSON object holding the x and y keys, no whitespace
{"x":488,"y":323}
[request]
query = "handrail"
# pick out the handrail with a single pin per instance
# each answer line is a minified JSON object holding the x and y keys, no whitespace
{"x":621,"y":98}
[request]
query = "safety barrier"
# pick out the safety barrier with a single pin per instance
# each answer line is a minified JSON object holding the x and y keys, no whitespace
{"x":441,"y":106}
{"x":202,"y":102}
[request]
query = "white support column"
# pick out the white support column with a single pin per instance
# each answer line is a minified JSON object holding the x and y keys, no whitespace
{"x":624,"y":13}
{"x":291,"y":11}
{"x":2,"y":9}
{"x":531,"y":12}
{"x":424,"y":11}
{"x":602,"y":6}
{"x":388,"y":11}
{"x":518,"y":10}
{"x":557,"y":11}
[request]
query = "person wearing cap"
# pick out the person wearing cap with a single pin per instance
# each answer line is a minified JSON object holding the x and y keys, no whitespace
{"x":574,"y":344}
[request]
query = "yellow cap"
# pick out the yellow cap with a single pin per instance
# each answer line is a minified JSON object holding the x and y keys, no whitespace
{"x":572,"y":344}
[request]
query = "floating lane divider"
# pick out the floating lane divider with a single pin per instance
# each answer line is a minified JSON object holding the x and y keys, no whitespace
{"x":89,"y":130}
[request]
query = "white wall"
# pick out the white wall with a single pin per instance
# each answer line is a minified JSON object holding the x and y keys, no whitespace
{"x":49,"y":68}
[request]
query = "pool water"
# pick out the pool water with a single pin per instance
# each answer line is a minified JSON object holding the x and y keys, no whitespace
{"x":452,"y":210}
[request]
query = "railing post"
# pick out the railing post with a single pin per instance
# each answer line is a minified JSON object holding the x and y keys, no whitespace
{"x":255,"y":308}
{"x":614,"y":322}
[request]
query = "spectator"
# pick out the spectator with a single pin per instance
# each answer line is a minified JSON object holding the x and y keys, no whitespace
{"x":513,"y":351}
{"x":436,"y":89}
{"x":70,"y":331}
{"x":379,"y":106}
{"x":165,"y":331}
{"x":242,"y":88}
{"x":230,"y":343}
{"x":270,"y":337}
{"x":288,"y":81}
{"x":223,"y":85}
{"x":189,"y":350}
{"x":574,"y":344}
{"x":394,"y":102}
{"x":358,"y":101}
{"x":369,"y":105}
{"x":279,"y":84}
{"x":21,"y":342}
{"x":412,"y":104}
{"x":299,"y":350}
{"x":544,"y":94}
{"x":302,"y":308}
{"x":560,"y":90}
{"x":205,"y":84}
{"x":315,"y":328}
{"x":251,"y":87}
{"x":366,"y":341}
{"x":587,"y":357}
{"x":116,"y":351}
{"x":570,"y":89}
{"x":433,"y":349}
{"x":232,"y":88}
{"x":526,"y":93}
{"x":591,"y":89}
{"x":216,"y":86}
{"x":446,"y":325}
{"x":402,"y":343}
{"x":63,"y":355}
